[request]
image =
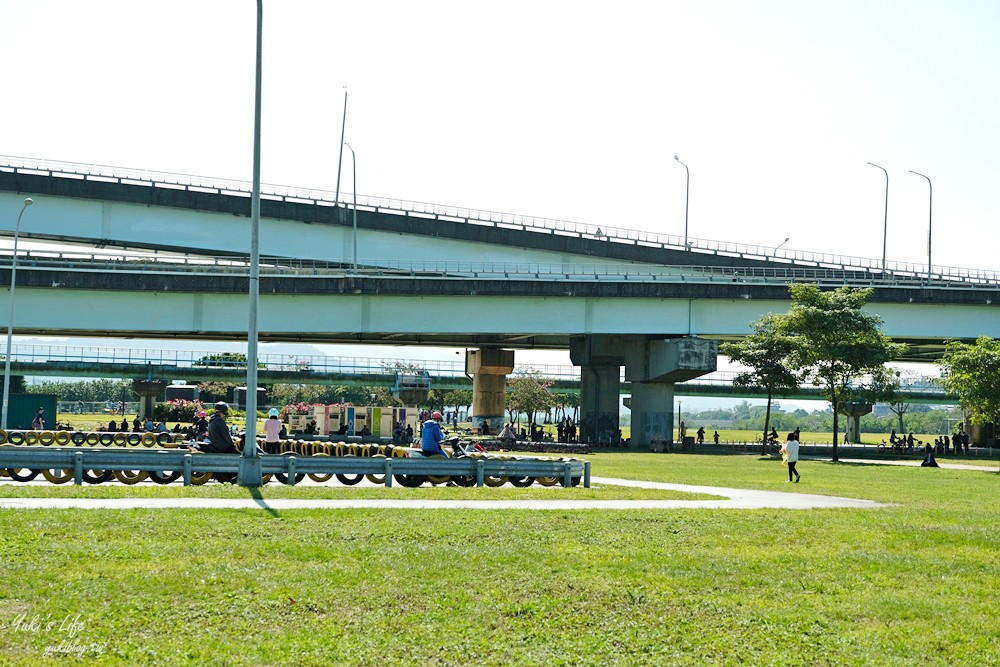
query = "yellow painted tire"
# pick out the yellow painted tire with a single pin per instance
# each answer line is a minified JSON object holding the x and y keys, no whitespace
{"x":148,"y":439}
{"x":121,"y":439}
{"x":46,"y":438}
{"x":494,"y":481}
{"x":63,"y":438}
{"x":439,"y":479}
{"x":31,"y":437}
{"x":340,"y":449}
{"x":131,"y":476}
{"x":199,"y":478}
{"x":547,"y":481}
{"x":266,"y":478}
{"x":400,"y":453}
{"x":3,"y":436}
{"x":318,"y":477}
{"x":57,"y":476}
{"x":376,"y":479}
{"x":178,"y":438}
{"x":93,"y":439}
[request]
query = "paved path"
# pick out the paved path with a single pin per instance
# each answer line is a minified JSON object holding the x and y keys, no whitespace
{"x":731,"y":499}
{"x":909,"y":463}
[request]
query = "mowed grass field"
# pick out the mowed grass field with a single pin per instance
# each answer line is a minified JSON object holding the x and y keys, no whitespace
{"x":914,"y":583}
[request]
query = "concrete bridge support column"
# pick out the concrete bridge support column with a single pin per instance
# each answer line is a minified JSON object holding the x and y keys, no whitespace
{"x":652,"y":415}
{"x":855,"y":411}
{"x":489,"y":369}
{"x":600,"y":387}
{"x":653,"y":367}
{"x":149,"y":391}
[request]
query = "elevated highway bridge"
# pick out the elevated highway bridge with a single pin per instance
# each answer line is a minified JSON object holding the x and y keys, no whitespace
{"x":174,"y":266}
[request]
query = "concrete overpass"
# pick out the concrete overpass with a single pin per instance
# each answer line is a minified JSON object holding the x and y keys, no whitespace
{"x":434,"y":275}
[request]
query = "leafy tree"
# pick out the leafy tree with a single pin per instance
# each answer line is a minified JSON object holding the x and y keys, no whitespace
{"x":973,"y":373}
{"x":841,"y":348}
{"x":459,"y":398}
{"x":224,"y":359}
{"x":766,"y":353}
{"x":528,"y":392}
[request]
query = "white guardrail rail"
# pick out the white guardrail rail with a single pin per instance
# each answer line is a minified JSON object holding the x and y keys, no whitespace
{"x":305,"y":364}
{"x":905,"y":270}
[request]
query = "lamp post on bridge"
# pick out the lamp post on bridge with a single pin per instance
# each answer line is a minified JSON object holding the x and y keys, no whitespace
{"x":687,"y":199}
{"x":354,"y":233}
{"x":10,"y":316}
{"x":885,"y":223}
{"x":778,"y":247}
{"x":249,"y":473}
{"x":930,"y":219}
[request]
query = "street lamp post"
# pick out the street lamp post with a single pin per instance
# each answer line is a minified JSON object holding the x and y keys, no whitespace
{"x":10,"y":316}
{"x":354,"y":234}
{"x":340,"y":159}
{"x":687,"y":199}
{"x":885,"y":222}
{"x":930,"y":220}
{"x":249,"y":473}
{"x":778,"y":247}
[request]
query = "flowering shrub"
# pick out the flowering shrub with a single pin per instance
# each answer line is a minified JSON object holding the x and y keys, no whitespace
{"x":178,"y":410}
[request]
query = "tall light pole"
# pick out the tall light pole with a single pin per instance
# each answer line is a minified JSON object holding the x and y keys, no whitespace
{"x":930,"y":220}
{"x":10,"y":316}
{"x":885,"y":222}
{"x":778,"y":247}
{"x":687,"y":199}
{"x":340,"y":159}
{"x":249,"y":473}
{"x":354,"y":163}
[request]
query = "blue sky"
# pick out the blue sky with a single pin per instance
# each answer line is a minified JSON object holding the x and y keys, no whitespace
{"x":570,"y":110}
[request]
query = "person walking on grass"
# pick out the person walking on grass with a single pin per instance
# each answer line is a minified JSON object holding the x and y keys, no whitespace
{"x":790,"y":456}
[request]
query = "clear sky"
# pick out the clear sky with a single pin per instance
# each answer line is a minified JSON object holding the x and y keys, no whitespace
{"x":570,"y":110}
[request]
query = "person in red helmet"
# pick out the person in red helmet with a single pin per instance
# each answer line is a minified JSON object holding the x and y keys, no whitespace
{"x":431,"y":436}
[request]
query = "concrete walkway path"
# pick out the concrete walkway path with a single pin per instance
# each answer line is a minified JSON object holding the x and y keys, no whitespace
{"x":731,"y":499}
{"x":909,"y":463}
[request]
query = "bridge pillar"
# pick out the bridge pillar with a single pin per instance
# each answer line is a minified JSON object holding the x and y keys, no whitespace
{"x":855,"y":410}
{"x":652,"y":414}
{"x":600,"y":358}
{"x":148,"y":391}
{"x":653,"y":367}
{"x":489,"y":369}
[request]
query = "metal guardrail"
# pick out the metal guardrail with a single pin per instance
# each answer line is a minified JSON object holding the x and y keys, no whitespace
{"x":221,"y":186}
{"x":79,"y":459}
{"x":272,"y":267}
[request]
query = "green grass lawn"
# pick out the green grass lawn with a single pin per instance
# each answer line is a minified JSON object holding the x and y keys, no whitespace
{"x":911,"y":584}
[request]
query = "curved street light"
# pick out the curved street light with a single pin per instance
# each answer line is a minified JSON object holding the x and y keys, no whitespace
{"x":885,"y":222}
{"x":354,"y":233}
{"x":687,"y":199}
{"x":930,"y":219}
{"x":10,"y":316}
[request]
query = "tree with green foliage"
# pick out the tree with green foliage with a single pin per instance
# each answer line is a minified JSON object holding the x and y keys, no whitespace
{"x":459,"y":398}
{"x":528,"y":392}
{"x":767,"y":353}
{"x":973,"y":373}
{"x":840,"y":347}
{"x":223,"y":359}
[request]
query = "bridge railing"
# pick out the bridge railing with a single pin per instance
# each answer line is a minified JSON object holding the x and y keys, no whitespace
{"x":125,"y":175}
{"x":63,"y":260}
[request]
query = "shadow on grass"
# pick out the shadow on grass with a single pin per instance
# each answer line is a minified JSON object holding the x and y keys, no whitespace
{"x":258,"y":498}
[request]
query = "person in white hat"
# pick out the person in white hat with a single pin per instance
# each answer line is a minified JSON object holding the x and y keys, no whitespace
{"x":272,"y":432}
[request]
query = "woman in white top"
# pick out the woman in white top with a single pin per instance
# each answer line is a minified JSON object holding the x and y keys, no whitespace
{"x":790,"y":455}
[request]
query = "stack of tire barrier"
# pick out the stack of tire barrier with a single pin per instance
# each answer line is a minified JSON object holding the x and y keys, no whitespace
{"x":284,"y":447}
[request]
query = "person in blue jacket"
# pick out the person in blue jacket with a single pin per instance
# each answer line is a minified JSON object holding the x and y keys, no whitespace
{"x":431,"y":436}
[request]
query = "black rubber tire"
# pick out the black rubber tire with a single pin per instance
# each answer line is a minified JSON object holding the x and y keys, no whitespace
{"x":349,"y":480}
{"x":97,"y":476}
{"x":79,"y":438}
{"x":15,"y":438}
{"x":464,"y":481}
{"x":410,"y":481}
{"x":164,"y":438}
{"x":133,"y":439}
{"x":22,"y":474}
{"x":521,"y":482}
{"x":223,"y":477}
{"x":106,"y":439}
{"x":283,"y":478}
{"x":164,"y":477}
